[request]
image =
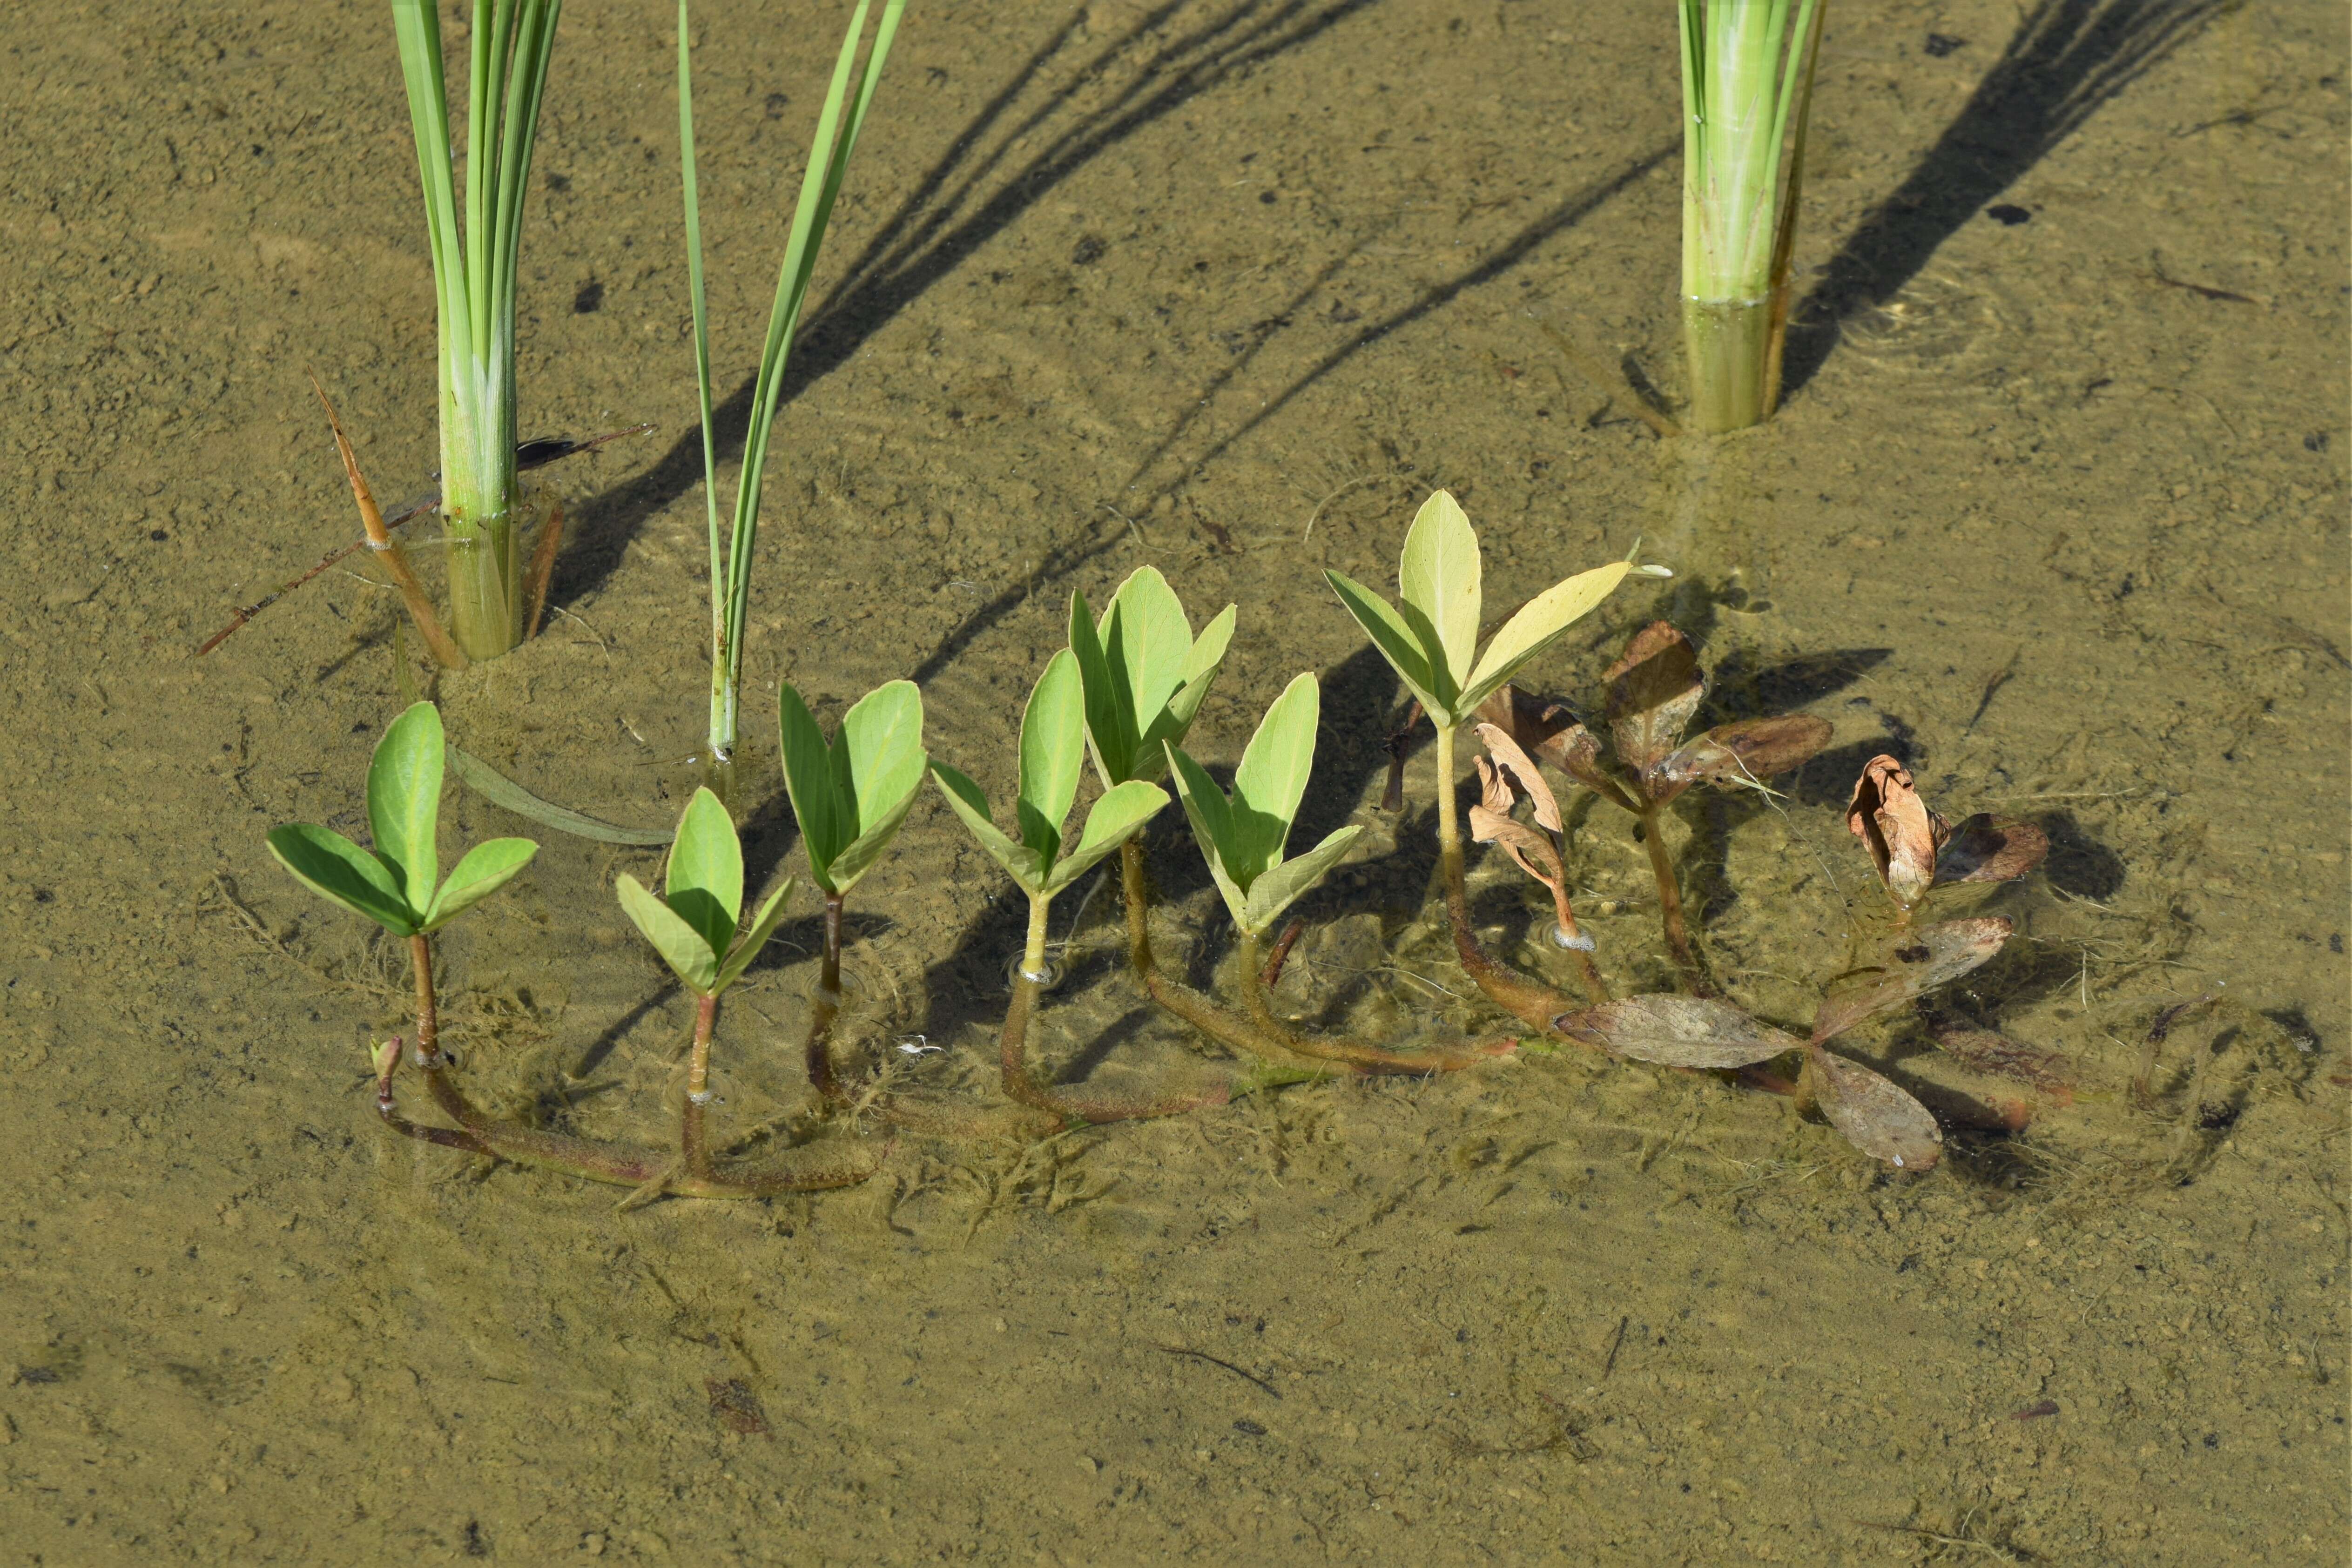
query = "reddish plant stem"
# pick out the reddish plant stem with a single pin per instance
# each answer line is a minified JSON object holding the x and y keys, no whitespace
{"x":825,"y":1007}
{"x":1271,"y":974}
{"x":542,"y":567}
{"x":693,"y":1146}
{"x":1670,"y":901}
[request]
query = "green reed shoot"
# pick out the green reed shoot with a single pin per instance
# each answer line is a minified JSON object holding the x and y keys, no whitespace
{"x":1747,"y":87}
{"x":475,"y":268}
{"x":842,"y":116}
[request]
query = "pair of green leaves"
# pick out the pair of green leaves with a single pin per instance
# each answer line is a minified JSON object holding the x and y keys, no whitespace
{"x":1145,"y":674}
{"x":1432,"y":638}
{"x":851,"y":796}
{"x":1242,"y":834}
{"x":1053,"y":755}
{"x":693,"y":923}
{"x":397,"y":885}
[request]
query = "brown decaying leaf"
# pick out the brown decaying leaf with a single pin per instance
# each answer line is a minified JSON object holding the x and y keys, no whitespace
{"x":1895,"y":825}
{"x":1496,"y":796}
{"x":1677,"y":1031}
{"x":1532,"y":850}
{"x":1913,"y":963}
{"x":1747,"y":752}
{"x":1877,"y":1116}
{"x":1520,"y":773}
{"x":1985,"y":1050}
{"x":1653,"y":690}
{"x":1529,"y":720}
{"x":1991,"y":848}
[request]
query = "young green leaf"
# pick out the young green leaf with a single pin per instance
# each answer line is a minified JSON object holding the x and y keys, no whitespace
{"x":483,"y":870}
{"x":754,"y":936}
{"x":1212,"y":816}
{"x":1199,"y":673}
{"x":878,"y":764}
{"x":706,"y":871}
{"x":1284,"y":882}
{"x":1272,"y":777}
{"x":342,"y":873}
{"x":1110,"y":822}
{"x":404,"y":796}
{"x":1539,"y":622}
{"x":850,"y":797}
{"x":808,"y":780}
{"x":1438,"y":576}
{"x":1053,"y":754}
{"x":682,"y":947}
{"x":971,"y":806}
{"x":1144,"y":673}
{"x":1421,"y":668}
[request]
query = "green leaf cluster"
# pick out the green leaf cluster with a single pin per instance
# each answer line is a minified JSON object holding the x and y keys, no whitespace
{"x":1432,"y":638}
{"x":1053,"y":755}
{"x":851,"y":795}
{"x":397,"y":884}
{"x":1144,"y":673}
{"x":693,"y":922}
{"x":1242,"y":834}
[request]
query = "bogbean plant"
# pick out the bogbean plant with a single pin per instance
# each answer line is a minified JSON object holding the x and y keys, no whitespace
{"x":1126,"y":692}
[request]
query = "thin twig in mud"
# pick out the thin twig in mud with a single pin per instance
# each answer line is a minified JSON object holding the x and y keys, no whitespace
{"x":1358,"y":483}
{"x":1188,"y":1351}
{"x":1616,"y":1343}
{"x":1993,"y":1550}
{"x":1131,"y":525}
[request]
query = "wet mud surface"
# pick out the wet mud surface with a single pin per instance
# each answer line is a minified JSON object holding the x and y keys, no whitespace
{"x":2056,"y":513}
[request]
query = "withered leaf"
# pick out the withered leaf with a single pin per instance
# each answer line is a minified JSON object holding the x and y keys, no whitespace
{"x":1747,"y":752}
{"x":1986,"y":848}
{"x":1523,"y":775}
{"x":1532,"y":850}
{"x":1913,"y":963}
{"x":1526,"y":718}
{"x":1877,"y":1116}
{"x":1652,"y":691}
{"x":1895,"y":826}
{"x":1677,"y":1031}
{"x":1496,"y":796}
{"x":1986,"y":1051}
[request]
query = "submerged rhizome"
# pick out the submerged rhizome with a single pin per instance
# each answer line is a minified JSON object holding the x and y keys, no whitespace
{"x":1122,"y":697}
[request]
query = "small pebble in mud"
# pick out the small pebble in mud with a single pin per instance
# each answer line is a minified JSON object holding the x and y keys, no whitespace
{"x":2008,"y":215}
{"x":1942,"y":44}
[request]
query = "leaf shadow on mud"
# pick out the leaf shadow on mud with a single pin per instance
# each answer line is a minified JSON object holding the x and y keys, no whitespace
{"x":965,"y":200}
{"x":2067,"y":59}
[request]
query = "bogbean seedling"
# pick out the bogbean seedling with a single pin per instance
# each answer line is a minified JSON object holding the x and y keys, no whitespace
{"x":1242,"y":835}
{"x":1042,"y":860}
{"x":849,"y":797}
{"x":693,"y":924}
{"x":1431,"y":639}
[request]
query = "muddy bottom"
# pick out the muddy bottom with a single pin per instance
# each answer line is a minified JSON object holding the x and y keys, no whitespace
{"x":2055,"y":512}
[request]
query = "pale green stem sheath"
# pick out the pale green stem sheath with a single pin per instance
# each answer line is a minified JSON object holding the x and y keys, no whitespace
{"x":474,"y":275}
{"x":1748,"y":74}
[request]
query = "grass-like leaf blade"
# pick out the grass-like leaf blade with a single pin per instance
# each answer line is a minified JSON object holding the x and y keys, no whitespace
{"x":1397,"y":642}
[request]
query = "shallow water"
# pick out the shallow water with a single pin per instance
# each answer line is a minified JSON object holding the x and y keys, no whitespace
{"x":1225,"y":288}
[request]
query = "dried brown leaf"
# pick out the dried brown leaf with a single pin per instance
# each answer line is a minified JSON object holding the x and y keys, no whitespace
{"x":1653,"y":690}
{"x":1991,"y":848}
{"x":1533,"y":852}
{"x":1895,"y":826}
{"x":1677,"y":1031}
{"x":1747,"y":752}
{"x":1914,"y":962}
{"x":1878,"y":1116}
{"x":1522,"y":775}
